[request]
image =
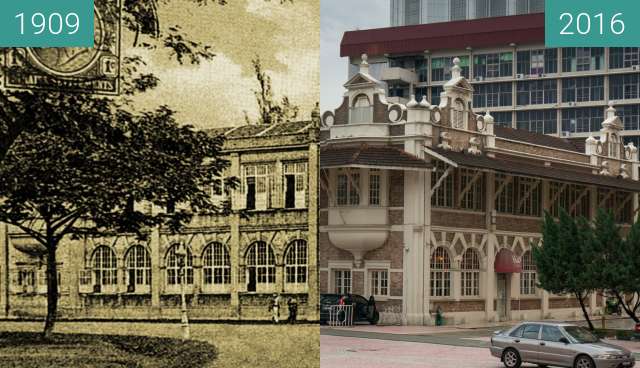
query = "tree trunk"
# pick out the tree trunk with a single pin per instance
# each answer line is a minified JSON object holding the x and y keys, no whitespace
{"x":52,"y":292}
{"x":584,"y":310}
{"x":626,"y":308}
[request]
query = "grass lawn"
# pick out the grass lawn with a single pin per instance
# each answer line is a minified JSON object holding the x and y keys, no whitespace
{"x":28,"y":350}
{"x":237,"y":346}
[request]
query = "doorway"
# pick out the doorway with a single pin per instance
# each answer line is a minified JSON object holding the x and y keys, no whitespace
{"x":251,"y":286}
{"x":502,"y":293}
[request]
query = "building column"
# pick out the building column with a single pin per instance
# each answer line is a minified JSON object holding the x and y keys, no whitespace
{"x":490,"y":288}
{"x":313,"y":281}
{"x":413,"y":257}
{"x":71,"y":271}
{"x":156,"y":273}
{"x":234,"y":244}
{"x":545,"y":304}
{"x":4,"y":270}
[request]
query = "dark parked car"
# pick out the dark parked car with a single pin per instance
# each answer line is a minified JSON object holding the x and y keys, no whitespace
{"x":363,"y":310}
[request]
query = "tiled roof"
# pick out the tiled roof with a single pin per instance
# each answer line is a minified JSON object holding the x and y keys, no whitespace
{"x":536,"y":168}
{"x":247,"y":131}
{"x":526,"y":136}
{"x":371,"y":156}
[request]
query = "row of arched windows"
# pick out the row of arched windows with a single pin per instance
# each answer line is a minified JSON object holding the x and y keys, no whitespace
{"x":216,"y":265}
{"x":470,"y":273}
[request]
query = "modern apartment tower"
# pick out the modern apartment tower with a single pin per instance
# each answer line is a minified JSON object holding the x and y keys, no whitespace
{"x":410,"y":12}
{"x":557,"y":91}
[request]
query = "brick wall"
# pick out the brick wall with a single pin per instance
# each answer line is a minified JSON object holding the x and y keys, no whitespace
{"x":459,"y":306}
{"x":526,"y":304}
{"x":392,"y":250}
{"x":458,"y":219}
{"x":324,"y":281}
{"x":342,"y":112}
{"x":329,"y":252}
{"x":396,"y":188}
{"x":558,"y":303}
{"x":518,"y":224}
{"x":357,"y":282}
{"x":395,"y":284}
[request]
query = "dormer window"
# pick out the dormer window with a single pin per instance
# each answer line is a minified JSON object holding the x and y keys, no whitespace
{"x":362,"y":111}
{"x":614,"y":141}
{"x":457,"y":115}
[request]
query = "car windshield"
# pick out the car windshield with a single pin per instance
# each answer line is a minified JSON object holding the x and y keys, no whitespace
{"x":581,"y":334}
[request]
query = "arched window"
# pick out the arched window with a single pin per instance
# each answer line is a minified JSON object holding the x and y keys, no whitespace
{"x":470,"y":276}
{"x":216,"y":266}
{"x":528,"y":275}
{"x":361,"y":101}
{"x":457,"y":118}
{"x":105,"y":266}
{"x":261,"y":265}
{"x":361,"y":112}
{"x":440,"y":273}
{"x":296,"y":262}
{"x":174,"y":264}
{"x":138,"y":263}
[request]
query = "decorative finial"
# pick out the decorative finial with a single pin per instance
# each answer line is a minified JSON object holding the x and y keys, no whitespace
{"x":412,"y":103}
{"x":611,"y":111}
{"x":424,"y":103}
{"x":488,"y":119}
{"x":455,"y":70}
{"x":364,"y":64}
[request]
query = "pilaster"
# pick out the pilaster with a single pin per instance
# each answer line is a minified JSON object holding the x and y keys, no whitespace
{"x":156,"y":261}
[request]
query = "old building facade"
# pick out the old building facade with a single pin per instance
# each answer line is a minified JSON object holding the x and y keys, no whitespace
{"x":433,"y":206}
{"x":234,"y":263}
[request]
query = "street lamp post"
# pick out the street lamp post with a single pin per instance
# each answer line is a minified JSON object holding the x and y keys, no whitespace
{"x":181,"y":253}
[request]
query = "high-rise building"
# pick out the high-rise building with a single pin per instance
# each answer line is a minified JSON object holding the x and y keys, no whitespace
{"x":558,"y":91}
{"x":410,"y":12}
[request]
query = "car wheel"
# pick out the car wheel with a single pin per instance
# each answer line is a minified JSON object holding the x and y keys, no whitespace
{"x":584,"y":361}
{"x":511,"y":358}
{"x":376,"y":317}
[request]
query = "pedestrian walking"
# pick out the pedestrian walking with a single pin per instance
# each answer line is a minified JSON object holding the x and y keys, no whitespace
{"x":275,"y":308}
{"x":292,"y":303}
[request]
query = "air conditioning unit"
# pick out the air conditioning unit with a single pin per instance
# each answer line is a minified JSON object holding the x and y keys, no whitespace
{"x":540,"y":75}
{"x":520,"y":76}
{"x":565,"y":134}
{"x":636,"y":67}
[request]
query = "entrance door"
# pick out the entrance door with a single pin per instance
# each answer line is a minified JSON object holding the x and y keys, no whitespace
{"x":251,"y":287}
{"x":502,"y":297}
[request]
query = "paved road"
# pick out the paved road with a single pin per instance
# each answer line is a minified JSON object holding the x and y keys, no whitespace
{"x":339,"y":351}
{"x":365,"y":347}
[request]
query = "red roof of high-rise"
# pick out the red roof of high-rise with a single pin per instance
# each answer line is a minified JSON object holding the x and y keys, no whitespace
{"x":476,"y":33}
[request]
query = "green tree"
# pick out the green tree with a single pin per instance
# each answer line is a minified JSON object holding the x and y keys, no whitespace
{"x":616,"y":266}
{"x":270,"y":110}
{"x":561,"y":258}
{"x":84,"y":173}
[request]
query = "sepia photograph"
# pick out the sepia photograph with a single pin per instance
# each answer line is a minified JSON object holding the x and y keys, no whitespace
{"x":159,"y":190}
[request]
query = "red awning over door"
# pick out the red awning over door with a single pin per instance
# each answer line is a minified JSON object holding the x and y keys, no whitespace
{"x":507,"y":262}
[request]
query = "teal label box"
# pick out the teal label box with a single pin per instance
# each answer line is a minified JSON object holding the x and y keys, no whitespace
{"x":592,"y":23}
{"x":46,"y":23}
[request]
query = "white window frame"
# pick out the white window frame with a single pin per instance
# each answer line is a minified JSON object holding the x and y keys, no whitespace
{"x":379,"y":282}
{"x":105,"y":269}
{"x":470,"y":273}
{"x":296,"y":267}
{"x":138,"y":260}
{"x":351,"y":195}
{"x":528,"y":275}
{"x":300,"y":171}
{"x":441,"y":280}
{"x":260,"y":256}
{"x":216,"y":268}
{"x":172,"y":271}
{"x":342,"y":281}
{"x":375,"y":187}
{"x":262,"y":174}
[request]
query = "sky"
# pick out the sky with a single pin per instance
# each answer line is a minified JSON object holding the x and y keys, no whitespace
{"x":336,"y":17}
{"x":217,"y":93}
